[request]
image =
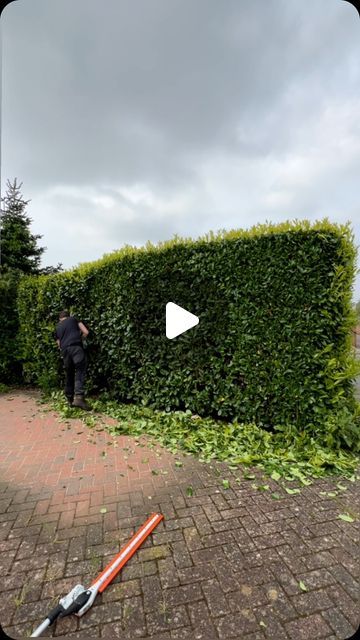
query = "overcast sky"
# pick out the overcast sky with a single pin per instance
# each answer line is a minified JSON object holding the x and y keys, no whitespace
{"x":133,"y":120}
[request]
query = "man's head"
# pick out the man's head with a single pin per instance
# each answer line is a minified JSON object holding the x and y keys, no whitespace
{"x":64,"y":314}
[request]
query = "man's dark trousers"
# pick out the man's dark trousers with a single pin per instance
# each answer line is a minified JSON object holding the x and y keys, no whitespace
{"x":75,"y":367}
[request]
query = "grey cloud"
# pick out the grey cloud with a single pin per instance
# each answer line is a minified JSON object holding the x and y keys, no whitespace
{"x":133,"y":89}
{"x":210,"y":101}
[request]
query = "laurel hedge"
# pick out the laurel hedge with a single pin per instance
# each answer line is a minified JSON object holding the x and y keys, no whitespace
{"x":10,"y":368}
{"x":273,"y":343}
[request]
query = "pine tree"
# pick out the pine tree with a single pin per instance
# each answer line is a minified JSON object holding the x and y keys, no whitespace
{"x":19,"y":248}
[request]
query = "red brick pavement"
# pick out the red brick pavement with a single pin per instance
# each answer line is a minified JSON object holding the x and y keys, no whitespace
{"x":225,"y":563}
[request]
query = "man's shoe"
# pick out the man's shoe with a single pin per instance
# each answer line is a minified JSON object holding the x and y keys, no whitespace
{"x":70,"y":400}
{"x":79,"y":401}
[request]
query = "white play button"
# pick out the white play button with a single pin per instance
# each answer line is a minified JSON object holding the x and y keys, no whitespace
{"x":178,"y":320}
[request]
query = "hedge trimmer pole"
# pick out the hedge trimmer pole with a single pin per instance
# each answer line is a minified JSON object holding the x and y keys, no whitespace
{"x":79,"y":599}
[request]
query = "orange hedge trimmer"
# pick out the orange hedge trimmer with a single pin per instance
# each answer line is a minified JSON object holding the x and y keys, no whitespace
{"x":79,"y":600}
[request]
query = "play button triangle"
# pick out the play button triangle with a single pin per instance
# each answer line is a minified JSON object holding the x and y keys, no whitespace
{"x":178,"y":320}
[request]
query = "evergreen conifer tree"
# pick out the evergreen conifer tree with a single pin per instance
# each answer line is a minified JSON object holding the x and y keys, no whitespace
{"x":19,"y":248}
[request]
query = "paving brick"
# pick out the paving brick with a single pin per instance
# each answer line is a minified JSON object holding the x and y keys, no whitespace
{"x":206,"y":555}
{"x":351,"y":586}
{"x":181,"y":555}
{"x":337,"y":621}
{"x":153,"y":553}
{"x":66,"y":534}
{"x":215,"y":598}
{"x":212,"y":512}
{"x":232,"y":625}
{"x":189,"y":511}
{"x":167,"y":619}
{"x":344,"y":603}
{"x":340,"y":555}
{"x":203,"y":625}
{"x":133,"y":617}
{"x":31,"y":612}
{"x":322,"y":543}
{"x":184,"y":633}
{"x":6,"y":561}
{"x":318,"y":560}
{"x":139,"y":570}
{"x":167,"y":573}
{"x":57,"y":588}
{"x":183,"y":594}
{"x":8,"y":604}
{"x":94,"y":534}
{"x":311,"y":602}
{"x":284,"y":576}
{"x":152,"y":592}
{"x":12,"y":581}
{"x":226,"y":576}
{"x":244,"y":541}
{"x":220,"y":502}
{"x":197,"y":573}
{"x":279,"y":603}
{"x":167,"y":536}
{"x":178,"y":523}
{"x":294,"y":563}
{"x":273,"y":629}
{"x":271,"y":540}
{"x":226,"y":525}
{"x":65,"y":627}
{"x":202,"y":524}
{"x":317,"y":578}
{"x":220,"y":550}
{"x":313,"y":627}
{"x":121,"y":590}
{"x":76,"y":549}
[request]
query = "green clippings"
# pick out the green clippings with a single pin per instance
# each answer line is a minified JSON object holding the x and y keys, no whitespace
{"x":275,"y":475}
{"x":145,"y":460}
{"x":292,"y":491}
{"x":345,"y":517}
{"x":341,"y":487}
{"x":275,"y":496}
{"x":302,"y":586}
{"x":189,"y":491}
{"x":178,"y":463}
{"x":262,"y":623}
{"x":155,"y":473}
{"x":281,"y":454}
{"x":103,"y":510}
{"x":306,"y":482}
{"x":226,"y":484}
{"x":263,"y":487}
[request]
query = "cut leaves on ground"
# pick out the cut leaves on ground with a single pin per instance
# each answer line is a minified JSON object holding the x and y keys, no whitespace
{"x":281,"y":454}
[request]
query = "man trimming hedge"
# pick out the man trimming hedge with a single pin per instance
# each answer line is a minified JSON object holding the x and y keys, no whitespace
{"x":69,"y":334}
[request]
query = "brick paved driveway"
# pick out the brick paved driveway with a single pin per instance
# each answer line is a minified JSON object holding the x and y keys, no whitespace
{"x":225,"y":563}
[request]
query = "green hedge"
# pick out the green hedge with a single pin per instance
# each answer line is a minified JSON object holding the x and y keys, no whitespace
{"x":10,"y":369}
{"x":272,"y":345}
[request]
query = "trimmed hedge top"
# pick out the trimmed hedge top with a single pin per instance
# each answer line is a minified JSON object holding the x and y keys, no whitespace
{"x":272,"y":346}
